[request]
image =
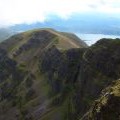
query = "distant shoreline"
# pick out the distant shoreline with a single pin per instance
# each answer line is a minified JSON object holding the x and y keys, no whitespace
{"x":92,"y":38}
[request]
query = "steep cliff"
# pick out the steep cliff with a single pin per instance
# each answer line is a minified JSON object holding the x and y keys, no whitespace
{"x":100,"y":66}
{"x":79,"y":75}
{"x":107,"y":106}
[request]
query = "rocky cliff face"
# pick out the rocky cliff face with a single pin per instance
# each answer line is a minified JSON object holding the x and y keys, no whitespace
{"x":100,"y":66}
{"x":84,"y":71}
{"x":107,"y":106}
{"x":49,"y":75}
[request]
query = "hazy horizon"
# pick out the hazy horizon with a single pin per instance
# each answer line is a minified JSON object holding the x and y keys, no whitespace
{"x":76,"y":16}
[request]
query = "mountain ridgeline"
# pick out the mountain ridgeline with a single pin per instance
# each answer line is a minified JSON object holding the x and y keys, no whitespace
{"x":51,"y":75}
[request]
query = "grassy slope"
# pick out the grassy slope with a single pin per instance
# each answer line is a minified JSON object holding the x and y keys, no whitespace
{"x":28,"y":61}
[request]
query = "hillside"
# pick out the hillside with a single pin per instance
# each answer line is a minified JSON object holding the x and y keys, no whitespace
{"x":5,"y":33}
{"x":32,"y":92}
{"x":51,"y":75}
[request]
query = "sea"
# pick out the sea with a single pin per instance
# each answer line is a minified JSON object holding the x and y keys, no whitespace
{"x":93,"y":38}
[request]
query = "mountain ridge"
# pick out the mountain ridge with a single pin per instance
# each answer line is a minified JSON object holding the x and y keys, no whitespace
{"x":52,"y":78}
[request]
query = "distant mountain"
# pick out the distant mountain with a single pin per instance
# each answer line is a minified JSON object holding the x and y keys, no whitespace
{"x":50,"y":75}
{"x":87,"y":23}
{"x":5,"y":33}
{"x":79,"y":23}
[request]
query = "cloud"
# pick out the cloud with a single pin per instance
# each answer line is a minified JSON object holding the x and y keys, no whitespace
{"x":31,"y":11}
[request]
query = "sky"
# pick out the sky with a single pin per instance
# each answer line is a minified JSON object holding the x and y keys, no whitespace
{"x":31,"y":11}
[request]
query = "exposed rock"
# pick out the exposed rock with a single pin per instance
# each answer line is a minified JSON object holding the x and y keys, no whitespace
{"x":107,"y":107}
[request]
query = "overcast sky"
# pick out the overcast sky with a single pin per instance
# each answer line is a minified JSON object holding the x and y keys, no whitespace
{"x":31,"y":11}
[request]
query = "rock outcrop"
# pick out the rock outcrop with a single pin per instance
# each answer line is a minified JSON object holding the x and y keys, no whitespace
{"x":107,"y":107}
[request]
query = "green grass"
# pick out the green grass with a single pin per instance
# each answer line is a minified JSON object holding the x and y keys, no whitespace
{"x":52,"y":114}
